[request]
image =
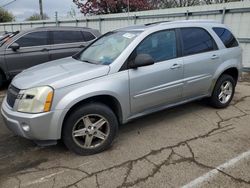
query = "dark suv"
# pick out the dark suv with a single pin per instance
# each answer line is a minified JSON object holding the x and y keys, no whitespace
{"x":21,"y":50}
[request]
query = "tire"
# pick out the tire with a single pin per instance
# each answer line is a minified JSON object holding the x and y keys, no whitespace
{"x":218,"y":95}
{"x":90,"y":129}
{"x":1,"y":81}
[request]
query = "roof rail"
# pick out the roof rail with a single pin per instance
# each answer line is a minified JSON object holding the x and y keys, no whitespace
{"x":192,"y":21}
{"x":154,"y":23}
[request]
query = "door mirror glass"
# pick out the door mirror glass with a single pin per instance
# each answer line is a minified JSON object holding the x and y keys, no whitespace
{"x":15,"y":46}
{"x":142,"y":60}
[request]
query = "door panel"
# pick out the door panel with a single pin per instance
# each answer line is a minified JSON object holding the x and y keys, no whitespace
{"x":200,"y":61}
{"x":155,"y":85}
{"x":25,"y":58}
{"x":198,"y":73}
{"x":161,"y":83}
{"x":64,"y":50}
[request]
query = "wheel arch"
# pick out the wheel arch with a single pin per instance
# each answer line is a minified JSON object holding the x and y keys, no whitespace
{"x":232,"y":71}
{"x":108,"y":100}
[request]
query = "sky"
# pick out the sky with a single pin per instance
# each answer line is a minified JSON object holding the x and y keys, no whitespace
{"x":22,"y":9}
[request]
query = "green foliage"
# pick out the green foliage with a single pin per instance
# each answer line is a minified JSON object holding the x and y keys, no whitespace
{"x":6,"y":16}
{"x":37,"y":16}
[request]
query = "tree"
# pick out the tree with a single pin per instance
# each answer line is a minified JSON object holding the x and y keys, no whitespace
{"x":37,"y":16}
{"x":91,"y":7}
{"x":6,"y":16}
{"x":71,"y":13}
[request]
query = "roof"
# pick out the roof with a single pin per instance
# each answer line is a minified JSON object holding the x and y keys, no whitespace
{"x":153,"y":24}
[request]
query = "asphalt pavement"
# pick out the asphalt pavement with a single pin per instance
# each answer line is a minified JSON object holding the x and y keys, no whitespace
{"x":193,"y":145}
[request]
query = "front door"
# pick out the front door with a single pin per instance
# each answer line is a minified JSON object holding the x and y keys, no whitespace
{"x":161,"y":83}
{"x":33,"y":51}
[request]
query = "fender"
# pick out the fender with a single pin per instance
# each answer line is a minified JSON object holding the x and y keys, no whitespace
{"x":114,"y":85}
{"x":232,"y":63}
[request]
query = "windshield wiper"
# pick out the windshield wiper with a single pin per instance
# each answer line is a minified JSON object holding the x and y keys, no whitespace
{"x":87,"y":61}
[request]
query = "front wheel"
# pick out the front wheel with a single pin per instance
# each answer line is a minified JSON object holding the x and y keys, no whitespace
{"x":90,"y":129}
{"x":223,"y":91}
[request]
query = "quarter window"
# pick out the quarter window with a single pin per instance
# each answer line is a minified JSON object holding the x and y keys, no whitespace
{"x":61,"y":37}
{"x":196,"y":40}
{"x":88,"y":36}
{"x":226,"y":37}
{"x":161,"y":46}
{"x":33,"y":39}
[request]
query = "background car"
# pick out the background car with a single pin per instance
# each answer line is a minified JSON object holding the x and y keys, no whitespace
{"x":21,"y":50}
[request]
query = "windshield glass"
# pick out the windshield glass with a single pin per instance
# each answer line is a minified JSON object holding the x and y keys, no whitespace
{"x":106,"y":49}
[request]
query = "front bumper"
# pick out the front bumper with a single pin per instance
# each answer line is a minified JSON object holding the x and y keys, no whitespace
{"x":42,"y":126}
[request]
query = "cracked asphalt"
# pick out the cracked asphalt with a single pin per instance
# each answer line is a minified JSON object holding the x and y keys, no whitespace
{"x":167,"y":149}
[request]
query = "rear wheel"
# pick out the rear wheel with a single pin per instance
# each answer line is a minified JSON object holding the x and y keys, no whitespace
{"x":90,"y":129}
{"x":223,"y":91}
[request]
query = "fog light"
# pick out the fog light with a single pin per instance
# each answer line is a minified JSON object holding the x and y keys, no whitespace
{"x":25,"y":127}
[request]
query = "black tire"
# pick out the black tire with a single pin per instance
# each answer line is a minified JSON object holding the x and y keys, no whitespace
{"x":1,"y":81}
{"x":214,"y":99}
{"x":73,"y":143}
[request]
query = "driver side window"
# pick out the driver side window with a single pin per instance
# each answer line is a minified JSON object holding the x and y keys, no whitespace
{"x":161,"y":46}
{"x":33,"y":39}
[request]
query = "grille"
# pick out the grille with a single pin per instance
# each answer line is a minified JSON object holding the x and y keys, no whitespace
{"x":12,"y":95}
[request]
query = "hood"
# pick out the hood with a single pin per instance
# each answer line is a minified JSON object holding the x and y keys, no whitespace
{"x":59,"y":73}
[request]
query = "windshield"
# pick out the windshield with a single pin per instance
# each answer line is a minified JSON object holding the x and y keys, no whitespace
{"x":106,"y":49}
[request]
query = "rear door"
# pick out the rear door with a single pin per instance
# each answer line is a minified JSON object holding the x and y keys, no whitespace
{"x":65,"y":43}
{"x":33,"y":51}
{"x":161,"y":83}
{"x":201,"y":58}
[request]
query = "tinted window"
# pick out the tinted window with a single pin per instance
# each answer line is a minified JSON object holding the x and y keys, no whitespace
{"x":161,"y":46}
{"x":33,"y":39}
{"x":88,"y":36}
{"x":226,"y":37}
{"x":196,"y":40}
{"x":61,"y":37}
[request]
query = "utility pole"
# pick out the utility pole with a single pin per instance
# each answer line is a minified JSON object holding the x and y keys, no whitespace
{"x":41,"y":8}
{"x":56,"y":17}
{"x":128,"y":7}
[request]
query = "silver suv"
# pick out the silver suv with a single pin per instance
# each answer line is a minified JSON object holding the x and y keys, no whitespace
{"x":125,"y":74}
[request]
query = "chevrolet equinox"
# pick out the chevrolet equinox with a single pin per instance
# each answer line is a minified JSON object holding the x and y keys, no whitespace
{"x":124,"y":74}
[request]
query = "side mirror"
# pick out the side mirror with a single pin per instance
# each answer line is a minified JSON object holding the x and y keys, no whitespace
{"x":142,"y":60}
{"x":15,"y":46}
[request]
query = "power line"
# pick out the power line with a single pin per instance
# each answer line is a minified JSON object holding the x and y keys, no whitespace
{"x":8,"y":3}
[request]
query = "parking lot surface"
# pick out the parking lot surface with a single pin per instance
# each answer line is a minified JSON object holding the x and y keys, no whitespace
{"x":192,"y":145}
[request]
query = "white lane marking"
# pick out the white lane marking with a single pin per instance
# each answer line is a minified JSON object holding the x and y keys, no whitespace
{"x":215,"y":171}
{"x":43,"y":179}
{"x":48,"y":177}
{"x":83,"y":164}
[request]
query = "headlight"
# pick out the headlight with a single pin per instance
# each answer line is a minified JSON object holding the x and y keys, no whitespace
{"x":35,"y":100}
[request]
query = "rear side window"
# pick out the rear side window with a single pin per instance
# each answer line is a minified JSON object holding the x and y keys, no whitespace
{"x":226,"y":37}
{"x":61,"y":37}
{"x":88,"y":36}
{"x":196,"y":40}
{"x":161,"y":46}
{"x":33,"y":39}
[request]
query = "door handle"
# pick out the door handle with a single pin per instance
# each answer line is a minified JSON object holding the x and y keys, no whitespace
{"x":175,"y":66}
{"x":214,"y":56}
{"x":44,"y":50}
